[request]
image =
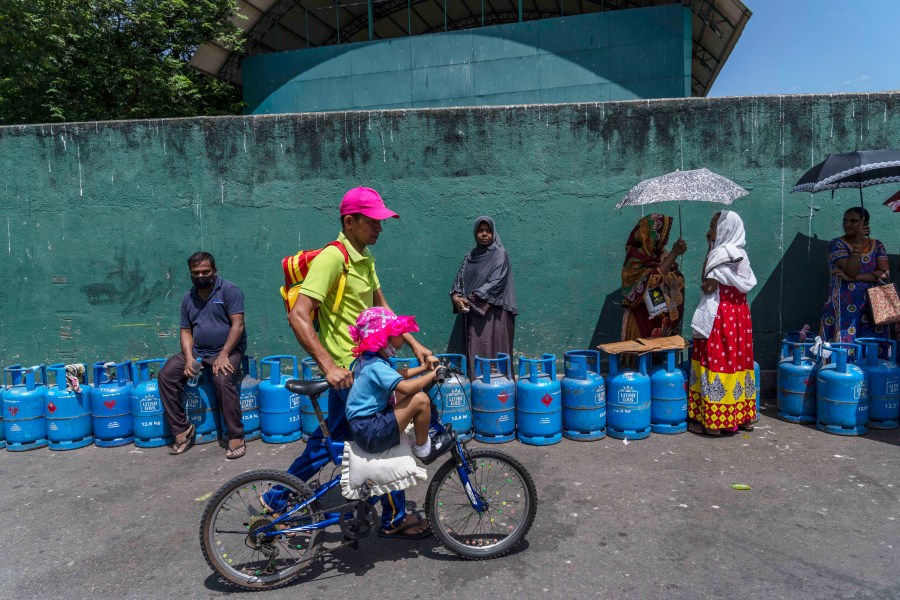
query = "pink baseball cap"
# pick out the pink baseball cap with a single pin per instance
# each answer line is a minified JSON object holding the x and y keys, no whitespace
{"x":368,"y":202}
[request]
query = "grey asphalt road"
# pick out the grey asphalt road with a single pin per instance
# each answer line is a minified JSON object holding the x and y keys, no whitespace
{"x":649,"y":519}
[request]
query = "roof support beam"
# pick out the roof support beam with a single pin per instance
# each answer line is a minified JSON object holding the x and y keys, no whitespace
{"x":718,"y":24}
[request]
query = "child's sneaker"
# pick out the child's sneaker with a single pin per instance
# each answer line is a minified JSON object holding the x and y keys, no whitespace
{"x":440,"y":444}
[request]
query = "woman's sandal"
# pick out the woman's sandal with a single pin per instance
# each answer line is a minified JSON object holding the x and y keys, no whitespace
{"x":181,"y":447}
{"x":401,"y":531}
{"x":746,"y":426}
{"x":695,"y":427}
{"x":235,"y":453}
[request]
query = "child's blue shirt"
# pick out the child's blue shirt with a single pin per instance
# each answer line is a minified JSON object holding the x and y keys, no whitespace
{"x":374,"y":381}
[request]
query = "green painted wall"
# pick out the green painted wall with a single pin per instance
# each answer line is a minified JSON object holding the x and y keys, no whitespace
{"x":616,"y":55}
{"x":100,"y":217}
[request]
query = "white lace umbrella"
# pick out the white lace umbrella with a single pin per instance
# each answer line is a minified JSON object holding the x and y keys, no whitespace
{"x":697,"y":185}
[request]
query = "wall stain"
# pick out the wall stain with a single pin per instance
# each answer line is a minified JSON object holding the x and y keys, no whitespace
{"x":126,"y":285}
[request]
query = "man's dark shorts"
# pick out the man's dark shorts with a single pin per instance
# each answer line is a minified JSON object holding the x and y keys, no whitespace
{"x":377,"y":432}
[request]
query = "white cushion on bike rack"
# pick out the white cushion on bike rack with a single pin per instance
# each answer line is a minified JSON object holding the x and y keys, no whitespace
{"x":364,"y":474}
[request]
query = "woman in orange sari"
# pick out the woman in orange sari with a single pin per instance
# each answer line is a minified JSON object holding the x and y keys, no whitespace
{"x":649,"y":268}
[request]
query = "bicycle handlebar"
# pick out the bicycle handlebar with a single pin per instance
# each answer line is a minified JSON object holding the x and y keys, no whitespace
{"x":444,"y":371}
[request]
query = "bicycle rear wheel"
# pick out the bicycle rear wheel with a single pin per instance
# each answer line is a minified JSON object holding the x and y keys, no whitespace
{"x":503,"y":485}
{"x":233,"y":517}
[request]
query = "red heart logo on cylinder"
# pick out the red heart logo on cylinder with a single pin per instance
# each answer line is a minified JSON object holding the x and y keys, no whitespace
{"x":13,"y":410}
{"x":109,"y":404}
{"x":51,"y":407}
{"x":547,"y":399}
{"x":502,"y":397}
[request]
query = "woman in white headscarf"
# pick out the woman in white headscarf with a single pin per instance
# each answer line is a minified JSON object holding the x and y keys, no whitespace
{"x":722,"y":394}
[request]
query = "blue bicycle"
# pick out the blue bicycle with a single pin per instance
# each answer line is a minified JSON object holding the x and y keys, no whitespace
{"x":480,"y":504}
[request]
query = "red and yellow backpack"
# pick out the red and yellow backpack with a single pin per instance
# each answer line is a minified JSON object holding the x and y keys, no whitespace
{"x":296,"y":268}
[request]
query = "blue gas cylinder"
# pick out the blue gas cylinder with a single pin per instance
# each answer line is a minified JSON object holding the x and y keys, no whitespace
{"x":879,"y":363}
{"x":68,"y":412}
{"x":842,"y":406}
{"x":796,"y":396}
{"x":538,"y":401}
{"x":202,"y":408}
{"x":111,"y":404}
{"x":784,"y":351}
{"x":151,"y":429}
{"x":279,"y":409}
{"x":2,"y":435}
{"x":494,"y":400}
{"x":668,"y":396}
{"x":583,"y":397}
{"x":249,"y":395}
{"x":309,"y":422}
{"x":453,"y":399}
{"x":628,"y":400}
{"x":24,"y":423}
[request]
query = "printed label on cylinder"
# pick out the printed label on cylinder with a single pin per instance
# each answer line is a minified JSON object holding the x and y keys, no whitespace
{"x":628,"y":395}
{"x":454,"y":399}
{"x":149,"y":404}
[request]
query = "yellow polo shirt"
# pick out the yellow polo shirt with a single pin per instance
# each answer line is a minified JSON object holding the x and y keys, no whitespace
{"x":321,"y":284}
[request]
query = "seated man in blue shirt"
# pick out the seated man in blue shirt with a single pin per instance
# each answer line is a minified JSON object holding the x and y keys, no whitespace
{"x":212,"y":332}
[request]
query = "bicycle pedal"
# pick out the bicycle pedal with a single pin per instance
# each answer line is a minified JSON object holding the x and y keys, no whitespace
{"x":352,"y":544}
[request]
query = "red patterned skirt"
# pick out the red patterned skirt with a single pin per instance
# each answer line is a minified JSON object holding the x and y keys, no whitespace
{"x":722,"y":387}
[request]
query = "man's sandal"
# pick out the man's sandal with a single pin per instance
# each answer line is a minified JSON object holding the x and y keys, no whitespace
{"x":181,"y":447}
{"x":235,"y":453}
{"x":402,"y":531}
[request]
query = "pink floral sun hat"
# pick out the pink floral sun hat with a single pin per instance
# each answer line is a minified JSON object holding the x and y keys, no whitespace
{"x":375,"y":325}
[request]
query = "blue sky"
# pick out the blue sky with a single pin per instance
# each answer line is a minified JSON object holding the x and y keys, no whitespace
{"x":815,"y":46}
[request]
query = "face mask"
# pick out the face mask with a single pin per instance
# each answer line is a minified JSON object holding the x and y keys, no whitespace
{"x":204,"y":283}
{"x":390,"y":350}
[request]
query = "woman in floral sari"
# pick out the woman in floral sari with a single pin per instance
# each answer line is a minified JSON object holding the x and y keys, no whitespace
{"x":649,"y":267}
{"x":856,"y":263}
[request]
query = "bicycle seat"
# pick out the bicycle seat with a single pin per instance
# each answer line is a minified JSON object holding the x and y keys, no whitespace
{"x":311,"y":387}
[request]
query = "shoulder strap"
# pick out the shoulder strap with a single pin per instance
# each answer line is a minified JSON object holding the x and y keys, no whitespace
{"x":340,"y":246}
{"x":339,"y":295}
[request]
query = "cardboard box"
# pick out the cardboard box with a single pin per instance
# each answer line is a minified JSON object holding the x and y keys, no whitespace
{"x":673,"y":342}
{"x":644,"y":345}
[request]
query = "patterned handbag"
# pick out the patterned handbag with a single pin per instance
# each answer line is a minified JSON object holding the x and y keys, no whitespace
{"x":884,"y":303}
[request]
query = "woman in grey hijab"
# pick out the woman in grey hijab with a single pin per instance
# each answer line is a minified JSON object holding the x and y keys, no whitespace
{"x":485,"y":294}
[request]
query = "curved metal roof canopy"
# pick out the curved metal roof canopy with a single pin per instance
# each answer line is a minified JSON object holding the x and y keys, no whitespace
{"x":282,"y":25}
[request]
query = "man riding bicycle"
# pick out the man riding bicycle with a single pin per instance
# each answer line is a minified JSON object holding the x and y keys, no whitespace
{"x":362,"y":211}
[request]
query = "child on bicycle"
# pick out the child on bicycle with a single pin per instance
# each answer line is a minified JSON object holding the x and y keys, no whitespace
{"x":382,"y":402}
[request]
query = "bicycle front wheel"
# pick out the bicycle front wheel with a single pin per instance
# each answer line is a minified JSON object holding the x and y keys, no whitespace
{"x":503,"y":485}
{"x":232,"y":523}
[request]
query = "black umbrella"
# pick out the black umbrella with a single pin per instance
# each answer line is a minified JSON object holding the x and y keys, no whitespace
{"x":852,"y":170}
